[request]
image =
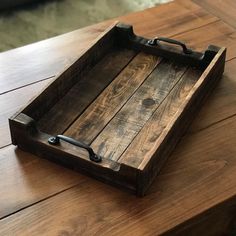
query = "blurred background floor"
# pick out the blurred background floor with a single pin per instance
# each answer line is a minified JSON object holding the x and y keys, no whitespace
{"x":34,"y":22}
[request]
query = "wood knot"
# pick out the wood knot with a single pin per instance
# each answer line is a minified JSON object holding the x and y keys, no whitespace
{"x":148,"y":102}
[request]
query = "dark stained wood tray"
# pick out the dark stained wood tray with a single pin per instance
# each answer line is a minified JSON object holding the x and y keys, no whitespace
{"x":119,"y":110}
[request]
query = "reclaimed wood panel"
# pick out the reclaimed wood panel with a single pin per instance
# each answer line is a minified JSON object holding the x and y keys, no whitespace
{"x":108,"y":103}
{"x":126,"y":124}
{"x":78,"y":98}
{"x":190,"y":185}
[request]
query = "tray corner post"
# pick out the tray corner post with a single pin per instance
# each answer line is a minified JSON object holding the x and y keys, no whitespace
{"x":211,"y":52}
{"x":125,"y":32}
{"x":21,"y":126}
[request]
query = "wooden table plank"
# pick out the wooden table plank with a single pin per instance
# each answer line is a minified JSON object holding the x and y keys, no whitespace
{"x":49,"y":57}
{"x":218,"y":33}
{"x":225,"y":9}
{"x":171,"y":18}
{"x":11,"y":102}
{"x":221,"y":103}
{"x":187,"y":187}
{"x":26,"y":179}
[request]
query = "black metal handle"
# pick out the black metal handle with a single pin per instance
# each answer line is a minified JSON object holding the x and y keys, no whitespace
{"x":154,"y":42}
{"x":92,"y":155}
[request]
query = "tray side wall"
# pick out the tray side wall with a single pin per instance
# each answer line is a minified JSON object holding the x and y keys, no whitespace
{"x":70,"y":75}
{"x":28,"y":138}
{"x":151,"y":166}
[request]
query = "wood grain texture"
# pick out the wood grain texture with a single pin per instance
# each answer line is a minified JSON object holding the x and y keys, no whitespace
{"x":218,"y":221}
{"x":172,"y":18}
{"x":11,"y":102}
{"x":144,"y":141}
{"x":187,"y":187}
{"x":60,"y":116}
{"x":44,"y":57}
{"x":202,"y":166}
{"x":71,"y":74}
{"x":126,"y":124}
{"x":218,"y":33}
{"x":225,"y":10}
{"x":108,"y":103}
{"x":221,"y":103}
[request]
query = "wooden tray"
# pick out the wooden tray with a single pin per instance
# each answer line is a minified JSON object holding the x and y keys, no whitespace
{"x":118,"y":111}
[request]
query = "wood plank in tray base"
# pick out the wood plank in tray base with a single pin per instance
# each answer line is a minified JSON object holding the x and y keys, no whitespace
{"x":84,"y":92}
{"x":127,"y":123}
{"x":135,"y":98}
{"x":110,"y":101}
{"x":161,"y":117}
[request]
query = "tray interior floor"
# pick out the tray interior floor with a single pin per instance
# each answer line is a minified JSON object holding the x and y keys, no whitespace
{"x":122,"y":105}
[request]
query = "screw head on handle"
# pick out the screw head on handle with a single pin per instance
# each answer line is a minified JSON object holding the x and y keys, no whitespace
{"x":53,"y":140}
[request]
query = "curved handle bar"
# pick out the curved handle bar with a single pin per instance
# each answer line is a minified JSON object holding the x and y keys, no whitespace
{"x":154,"y":42}
{"x":92,"y":155}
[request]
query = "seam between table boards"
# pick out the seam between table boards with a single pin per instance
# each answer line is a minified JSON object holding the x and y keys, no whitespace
{"x":210,"y":125}
{"x":211,"y":13}
{"x":41,"y":200}
{"x":199,"y":27}
{"x":23,"y":86}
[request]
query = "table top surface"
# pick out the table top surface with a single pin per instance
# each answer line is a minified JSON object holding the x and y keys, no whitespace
{"x":196,"y":186}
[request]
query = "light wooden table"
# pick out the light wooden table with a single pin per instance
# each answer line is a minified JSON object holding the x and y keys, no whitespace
{"x":196,"y":192}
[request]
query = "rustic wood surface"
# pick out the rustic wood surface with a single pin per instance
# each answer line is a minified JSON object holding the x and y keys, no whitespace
{"x":144,"y":141}
{"x":87,"y":127}
{"x":84,"y":92}
{"x":195,"y":192}
{"x":126,"y":124}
